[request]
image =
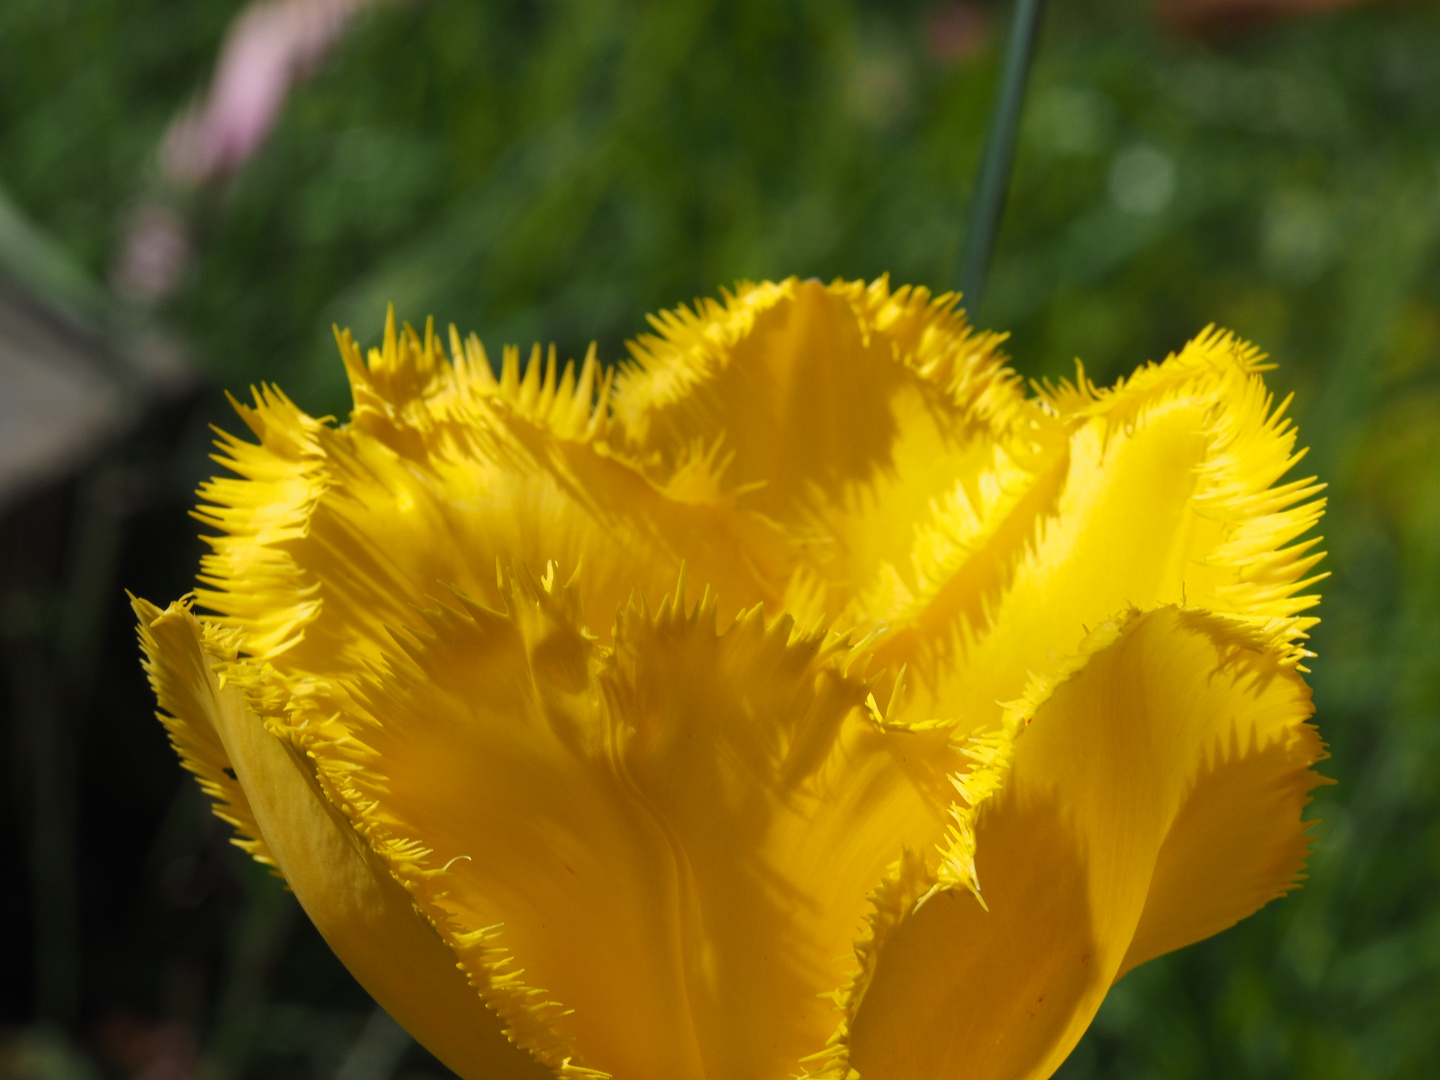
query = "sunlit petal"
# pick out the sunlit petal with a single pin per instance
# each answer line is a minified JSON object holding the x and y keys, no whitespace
{"x":333,"y":534}
{"x":1168,"y":494}
{"x":638,"y":852}
{"x":838,"y":411}
{"x":1115,"y":774}
{"x":454,"y":691}
{"x":362,"y":912}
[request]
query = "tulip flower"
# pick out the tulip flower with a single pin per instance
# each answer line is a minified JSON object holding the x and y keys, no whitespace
{"x":799,"y":697}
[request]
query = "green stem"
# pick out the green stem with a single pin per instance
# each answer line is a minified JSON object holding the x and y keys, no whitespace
{"x":999,"y":157}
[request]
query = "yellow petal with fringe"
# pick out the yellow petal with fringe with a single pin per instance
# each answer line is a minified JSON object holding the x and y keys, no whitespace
{"x":270,"y":793}
{"x":449,"y":685}
{"x":635,"y":851}
{"x":1122,"y":787}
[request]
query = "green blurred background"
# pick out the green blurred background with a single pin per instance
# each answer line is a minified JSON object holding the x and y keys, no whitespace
{"x":553,"y":170}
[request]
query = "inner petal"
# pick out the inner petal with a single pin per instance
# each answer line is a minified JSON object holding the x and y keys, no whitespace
{"x":840,"y":412}
{"x":674,"y":839}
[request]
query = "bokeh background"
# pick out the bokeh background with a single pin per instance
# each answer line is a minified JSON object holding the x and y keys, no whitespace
{"x":192,"y":193}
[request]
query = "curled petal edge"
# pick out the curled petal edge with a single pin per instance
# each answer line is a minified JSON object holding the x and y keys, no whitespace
{"x":270,"y":794}
{"x":1168,"y":917}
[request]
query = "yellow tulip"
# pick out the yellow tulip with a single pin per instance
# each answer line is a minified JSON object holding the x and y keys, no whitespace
{"x":976,"y":699}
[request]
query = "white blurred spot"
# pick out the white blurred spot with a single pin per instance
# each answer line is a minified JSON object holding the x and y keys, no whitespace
{"x":1297,"y":234}
{"x":1069,"y":120}
{"x":1142,"y":180}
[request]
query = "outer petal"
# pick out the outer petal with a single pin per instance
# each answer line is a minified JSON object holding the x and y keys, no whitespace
{"x":1108,"y":841}
{"x":178,"y":661}
{"x":362,"y":912}
{"x":650,"y":859}
{"x":1169,"y":493}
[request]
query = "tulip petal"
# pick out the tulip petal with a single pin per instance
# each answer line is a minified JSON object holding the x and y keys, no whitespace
{"x":648,"y":839}
{"x":838,"y":411}
{"x":637,"y":852}
{"x":265,"y":788}
{"x":1105,"y":843}
{"x":1169,"y":494}
{"x":178,"y":662}
{"x":329,"y":535}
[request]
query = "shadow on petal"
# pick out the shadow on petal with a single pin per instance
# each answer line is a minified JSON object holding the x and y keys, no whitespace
{"x":964,"y":991}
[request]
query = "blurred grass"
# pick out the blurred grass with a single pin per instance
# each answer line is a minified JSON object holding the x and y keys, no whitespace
{"x":556,"y":169}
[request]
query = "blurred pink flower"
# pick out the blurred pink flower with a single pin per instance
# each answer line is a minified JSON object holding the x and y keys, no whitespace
{"x":153,"y":254}
{"x":270,"y":46}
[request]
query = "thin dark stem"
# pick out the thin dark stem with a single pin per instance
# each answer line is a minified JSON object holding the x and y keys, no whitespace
{"x":999,"y":157}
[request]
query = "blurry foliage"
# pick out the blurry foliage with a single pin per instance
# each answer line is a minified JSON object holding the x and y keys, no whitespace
{"x":556,"y":169}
